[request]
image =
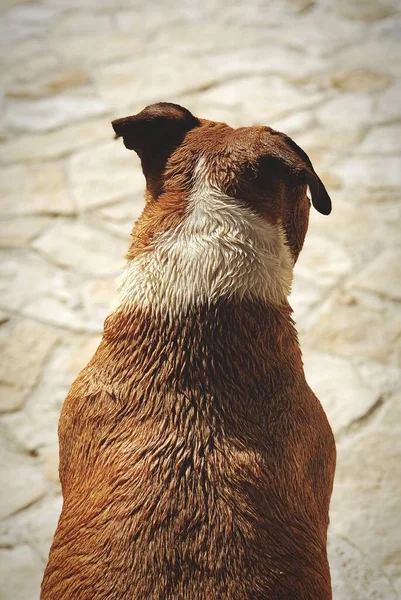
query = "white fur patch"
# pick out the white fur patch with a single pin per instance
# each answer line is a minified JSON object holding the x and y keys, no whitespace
{"x":222,"y":249}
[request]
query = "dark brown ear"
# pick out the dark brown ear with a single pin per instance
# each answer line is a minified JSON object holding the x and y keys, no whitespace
{"x":157,"y":128}
{"x":298,"y":164}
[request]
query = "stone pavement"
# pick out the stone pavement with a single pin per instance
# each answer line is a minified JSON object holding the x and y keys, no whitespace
{"x":327,"y":73}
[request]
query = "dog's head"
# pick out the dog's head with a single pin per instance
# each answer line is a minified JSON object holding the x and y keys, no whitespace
{"x":261,"y":167}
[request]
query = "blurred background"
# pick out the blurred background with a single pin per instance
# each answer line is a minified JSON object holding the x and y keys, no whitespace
{"x":325,"y":72}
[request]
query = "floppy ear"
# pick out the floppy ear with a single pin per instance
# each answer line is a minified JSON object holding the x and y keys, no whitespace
{"x":298,"y":164}
{"x":154,"y":133}
{"x":157,"y":128}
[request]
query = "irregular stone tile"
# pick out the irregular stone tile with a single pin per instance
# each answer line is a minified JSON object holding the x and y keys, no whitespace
{"x":45,"y":114}
{"x":80,"y":21}
{"x":369,"y":172}
{"x":326,"y":140}
{"x":91,"y":251}
{"x":355,"y":574}
{"x":355,"y":224}
{"x":45,"y":292}
{"x":324,"y":34}
{"x":136,"y":82}
{"x":35,"y":525}
{"x":34,"y":189}
{"x":382,"y":54}
{"x":345,"y":396}
{"x":334,"y":114}
{"x":305,"y":294}
{"x":21,"y":572}
{"x":28,"y":432}
{"x":382,"y":140}
{"x":266,"y":58}
{"x":382,"y":275}
{"x":388,"y":108}
{"x":101,"y":293}
{"x":49,"y":83}
{"x":248,"y":95}
{"x":365,"y":502}
{"x":96,"y":48}
{"x":23,"y":480}
{"x":28,"y":71}
{"x":322,"y":260}
{"x":24,"y":350}
{"x":186,"y":37}
{"x":50,"y":458}
{"x":18,"y":232}
{"x":360,"y":80}
{"x":104,"y":174}
{"x":357,"y":325}
{"x":294,"y":124}
{"x":124,"y":212}
{"x":55,"y":144}
{"x":364,"y":10}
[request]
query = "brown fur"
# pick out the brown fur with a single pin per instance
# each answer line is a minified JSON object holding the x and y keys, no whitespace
{"x":195,"y":461}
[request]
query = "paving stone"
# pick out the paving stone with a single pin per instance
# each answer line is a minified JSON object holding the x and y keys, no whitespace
{"x":49,"y":83}
{"x":55,"y":144}
{"x":335,"y":114}
{"x":77,"y":21}
{"x":50,"y":458}
{"x":35,"y":189}
{"x":248,"y":95}
{"x":364,"y":10}
{"x":382,"y":275}
{"x":91,"y":251}
{"x":27,"y":72}
{"x":23,"y":480}
{"x":21,"y":572}
{"x":322,"y":260}
{"x":346,"y":397}
{"x":369,"y":172}
{"x":365,"y":503}
{"x":18,"y":232}
{"x":305,"y":295}
{"x":97,"y":48}
{"x":104,"y":174}
{"x":136,"y":83}
{"x":354,"y":324}
{"x":366,"y":80}
{"x":388,"y":108}
{"x":43,"y":291}
{"x":28,"y":432}
{"x":83,"y":353}
{"x":355,"y":574}
{"x":266,"y":58}
{"x":382,"y":52}
{"x":382,"y":140}
{"x":45,"y":114}
{"x":24,"y":351}
{"x":326,"y":34}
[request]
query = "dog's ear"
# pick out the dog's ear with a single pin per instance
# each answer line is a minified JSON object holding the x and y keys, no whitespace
{"x":297,"y":163}
{"x":158,"y":128}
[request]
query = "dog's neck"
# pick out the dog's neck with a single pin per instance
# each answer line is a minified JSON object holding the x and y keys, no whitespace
{"x":220,"y":250}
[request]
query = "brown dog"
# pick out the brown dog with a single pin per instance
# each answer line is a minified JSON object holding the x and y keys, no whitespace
{"x":195,"y":461}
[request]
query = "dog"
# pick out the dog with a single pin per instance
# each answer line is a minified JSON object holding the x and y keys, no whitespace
{"x":195,"y":461}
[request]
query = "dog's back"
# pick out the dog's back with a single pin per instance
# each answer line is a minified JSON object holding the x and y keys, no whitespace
{"x":195,"y":462}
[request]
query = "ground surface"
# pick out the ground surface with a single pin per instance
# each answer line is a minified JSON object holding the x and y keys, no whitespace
{"x":325,"y":73}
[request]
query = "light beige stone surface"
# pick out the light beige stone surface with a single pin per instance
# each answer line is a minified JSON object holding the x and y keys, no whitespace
{"x":95,"y":252}
{"x":22,"y":482}
{"x":328,"y":74}
{"x":20,"y":574}
{"x":24,"y":350}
